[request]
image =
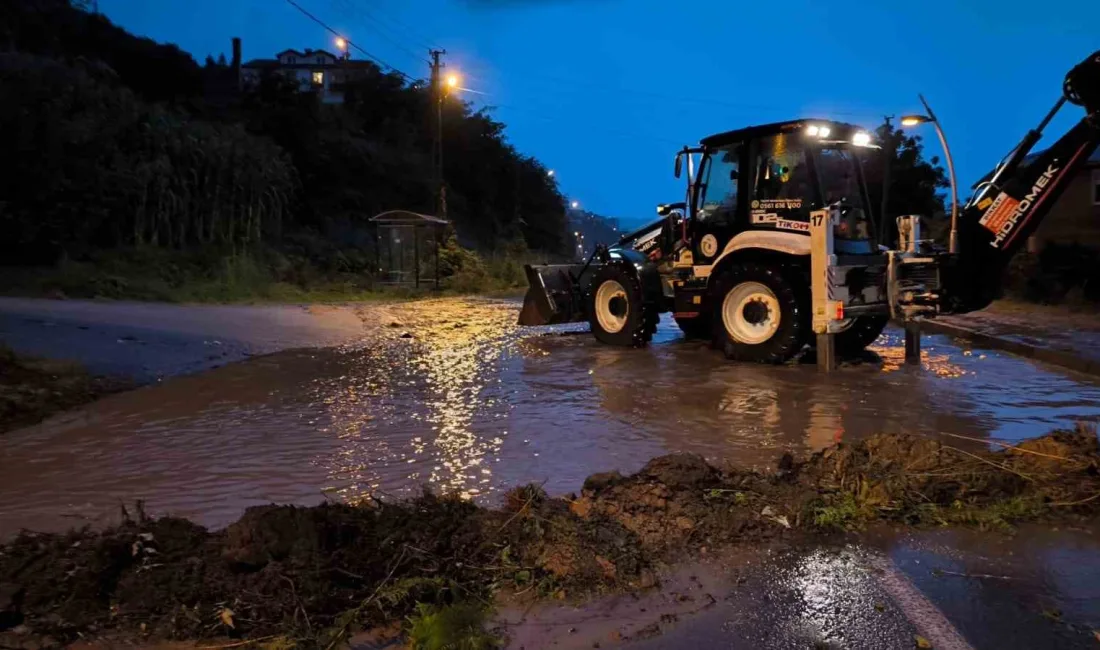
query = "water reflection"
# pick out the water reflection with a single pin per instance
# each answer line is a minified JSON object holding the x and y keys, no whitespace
{"x":471,"y":404}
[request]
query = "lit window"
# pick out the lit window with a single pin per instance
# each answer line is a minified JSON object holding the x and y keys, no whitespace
{"x":318,"y":78}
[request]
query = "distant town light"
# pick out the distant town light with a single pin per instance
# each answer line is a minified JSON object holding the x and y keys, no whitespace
{"x":575,"y":205}
{"x":576,"y":233}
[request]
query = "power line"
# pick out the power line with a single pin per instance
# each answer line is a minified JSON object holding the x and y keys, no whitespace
{"x":616,"y":132}
{"x":665,"y":97}
{"x":416,"y":39}
{"x":349,"y":43}
{"x":377,"y":28}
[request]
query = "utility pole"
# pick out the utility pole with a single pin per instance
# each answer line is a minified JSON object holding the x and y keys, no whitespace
{"x":885,"y":232}
{"x":437,"y":89}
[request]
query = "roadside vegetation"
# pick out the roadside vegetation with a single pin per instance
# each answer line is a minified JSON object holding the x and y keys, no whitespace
{"x":431,"y":568}
{"x":134,"y":172}
{"x":32,"y":389}
{"x":1066,"y":275}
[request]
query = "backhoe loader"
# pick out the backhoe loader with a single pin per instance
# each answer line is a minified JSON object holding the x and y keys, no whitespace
{"x":775,"y":242}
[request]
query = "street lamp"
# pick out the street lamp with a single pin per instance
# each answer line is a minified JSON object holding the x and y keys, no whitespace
{"x":452,"y":81}
{"x":575,"y":205}
{"x":916,"y":120}
{"x":550,"y":173}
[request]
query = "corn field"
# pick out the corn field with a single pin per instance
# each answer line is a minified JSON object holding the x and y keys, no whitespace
{"x":201,"y":184}
{"x":94,"y":167}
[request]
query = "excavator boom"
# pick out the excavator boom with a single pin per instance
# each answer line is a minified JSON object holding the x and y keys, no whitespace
{"x":997,"y":221}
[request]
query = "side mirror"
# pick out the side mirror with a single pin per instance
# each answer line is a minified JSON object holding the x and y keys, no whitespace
{"x":679,"y":166}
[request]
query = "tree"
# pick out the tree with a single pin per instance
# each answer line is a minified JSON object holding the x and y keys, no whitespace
{"x":915,"y":183}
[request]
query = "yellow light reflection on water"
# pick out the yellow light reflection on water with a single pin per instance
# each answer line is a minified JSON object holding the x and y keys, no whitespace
{"x":937,"y":363}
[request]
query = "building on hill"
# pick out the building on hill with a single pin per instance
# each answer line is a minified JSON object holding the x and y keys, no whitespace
{"x":315,"y":70}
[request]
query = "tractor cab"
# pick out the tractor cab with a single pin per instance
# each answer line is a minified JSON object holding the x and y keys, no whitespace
{"x":769,"y":178}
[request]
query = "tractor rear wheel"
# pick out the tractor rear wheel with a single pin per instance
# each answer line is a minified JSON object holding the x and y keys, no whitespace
{"x":698,"y":327}
{"x":617,"y":310}
{"x":863,"y":331}
{"x":760,"y":314}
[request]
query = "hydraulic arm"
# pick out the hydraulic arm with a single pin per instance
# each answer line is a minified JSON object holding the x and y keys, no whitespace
{"x":1005,"y":210}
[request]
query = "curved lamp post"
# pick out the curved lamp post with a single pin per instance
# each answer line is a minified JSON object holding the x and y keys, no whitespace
{"x":914,"y":120}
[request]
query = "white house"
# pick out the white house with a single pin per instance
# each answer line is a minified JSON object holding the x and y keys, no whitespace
{"x":316,"y":70}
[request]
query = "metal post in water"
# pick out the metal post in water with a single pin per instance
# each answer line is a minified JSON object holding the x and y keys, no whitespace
{"x":826,"y":352}
{"x":912,"y":342}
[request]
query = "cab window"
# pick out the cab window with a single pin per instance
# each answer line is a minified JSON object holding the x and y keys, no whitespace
{"x":782,"y":187}
{"x":718,"y":184}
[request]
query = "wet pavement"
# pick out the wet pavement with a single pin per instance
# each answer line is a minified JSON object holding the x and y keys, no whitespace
{"x":949,"y":589}
{"x":148,"y":342}
{"x":1050,"y":334}
{"x":451,"y":394}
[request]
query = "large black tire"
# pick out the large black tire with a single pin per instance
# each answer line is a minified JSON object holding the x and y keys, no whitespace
{"x":619,"y":314}
{"x":789,"y":302}
{"x":863,"y":332}
{"x":699,"y":327}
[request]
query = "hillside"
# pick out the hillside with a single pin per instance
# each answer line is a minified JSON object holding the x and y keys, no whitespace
{"x":129,"y":157}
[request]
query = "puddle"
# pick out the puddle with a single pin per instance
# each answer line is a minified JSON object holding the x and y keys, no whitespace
{"x":473,"y":404}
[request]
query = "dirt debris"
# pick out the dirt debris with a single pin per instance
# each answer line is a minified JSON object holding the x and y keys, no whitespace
{"x":32,"y":389}
{"x":311,"y":577}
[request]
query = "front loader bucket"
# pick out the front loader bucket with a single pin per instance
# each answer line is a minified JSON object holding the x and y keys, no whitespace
{"x":554,"y":294}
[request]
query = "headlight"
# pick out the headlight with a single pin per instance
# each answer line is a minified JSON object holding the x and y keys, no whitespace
{"x":811,"y":130}
{"x":823,"y":131}
{"x":861,"y":139}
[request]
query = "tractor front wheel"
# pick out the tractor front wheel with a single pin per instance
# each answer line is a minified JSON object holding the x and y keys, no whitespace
{"x":760,"y":314}
{"x":616,"y":308}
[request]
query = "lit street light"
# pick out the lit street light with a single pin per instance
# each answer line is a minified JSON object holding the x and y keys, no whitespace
{"x":550,"y":173}
{"x":452,"y":81}
{"x":575,"y":205}
{"x":915,"y":120}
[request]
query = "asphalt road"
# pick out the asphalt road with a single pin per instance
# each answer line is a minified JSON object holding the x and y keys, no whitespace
{"x":150,"y":341}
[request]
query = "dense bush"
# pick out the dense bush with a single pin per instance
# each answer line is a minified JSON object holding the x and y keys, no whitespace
{"x":113,"y":141}
{"x":1059,"y":274}
{"x":91,"y":166}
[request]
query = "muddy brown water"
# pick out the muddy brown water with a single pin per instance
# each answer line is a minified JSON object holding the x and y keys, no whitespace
{"x":473,"y":404}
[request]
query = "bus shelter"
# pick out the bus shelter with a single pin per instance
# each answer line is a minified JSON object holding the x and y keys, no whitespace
{"x":407,"y":247}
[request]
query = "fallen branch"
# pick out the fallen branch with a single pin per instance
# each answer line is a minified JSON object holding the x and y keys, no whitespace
{"x":1077,"y":503}
{"x":241,"y":644}
{"x":339,"y":636}
{"x":1005,"y":445}
{"x":989,"y":462}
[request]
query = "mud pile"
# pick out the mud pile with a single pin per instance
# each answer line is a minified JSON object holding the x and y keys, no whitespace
{"x":312,"y":576}
{"x":33,"y":389}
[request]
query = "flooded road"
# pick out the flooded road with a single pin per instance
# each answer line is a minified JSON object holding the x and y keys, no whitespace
{"x":451,"y":394}
{"x":956,"y":590}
